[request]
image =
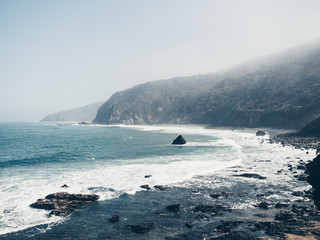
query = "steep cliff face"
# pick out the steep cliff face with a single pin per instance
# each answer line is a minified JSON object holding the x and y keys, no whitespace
{"x":86,"y":114}
{"x":280,"y":92}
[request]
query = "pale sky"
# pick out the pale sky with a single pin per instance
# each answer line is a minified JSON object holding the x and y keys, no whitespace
{"x":62,"y":54}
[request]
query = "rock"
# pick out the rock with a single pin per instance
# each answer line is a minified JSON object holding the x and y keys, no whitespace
{"x":141,"y":228}
{"x":263,"y":205}
{"x":282,"y":205}
{"x":147,"y":176}
{"x":298,"y":193}
{"x":160,"y":187}
{"x":260,"y":133}
{"x":43,"y":203}
{"x":114,"y":219}
{"x":286,"y":216}
{"x":188,"y":225}
{"x":179,"y":140}
{"x":146,"y":186}
{"x":62,"y":203}
{"x":220,"y":195}
{"x":302,"y":178}
{"x":250,"y":175}
{"x":209,"y":208}
{"x":174,"y":208}
{"x":301,"y":167}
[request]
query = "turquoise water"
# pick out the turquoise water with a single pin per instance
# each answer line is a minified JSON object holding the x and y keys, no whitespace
{"x":38,"y":158}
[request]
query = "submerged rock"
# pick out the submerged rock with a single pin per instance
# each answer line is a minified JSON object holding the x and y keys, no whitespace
{"x":141,"y":228}
{"x":63,"y":203}
{"x":209,"y":208}
{"x":250,"y":175}
{"x":114,"y":219}
{"x":179,"y":140}
{"x":160,"y":187}
{"x":220,"y":195}
{"x":174,"y":208}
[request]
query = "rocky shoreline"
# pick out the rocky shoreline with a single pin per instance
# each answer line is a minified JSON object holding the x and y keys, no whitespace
{"x":297,"y":141}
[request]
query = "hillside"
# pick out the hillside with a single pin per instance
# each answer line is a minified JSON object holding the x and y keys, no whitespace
{"x":82,"y":114}
{"x":281,"y":91}
{"x":312,"y":129}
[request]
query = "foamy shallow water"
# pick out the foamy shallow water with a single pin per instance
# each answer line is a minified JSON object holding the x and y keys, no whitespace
{"x":209,"y":153}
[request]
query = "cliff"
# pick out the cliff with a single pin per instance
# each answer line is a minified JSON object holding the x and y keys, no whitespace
{"x":281,"y":91}
{"x":82,"y":114}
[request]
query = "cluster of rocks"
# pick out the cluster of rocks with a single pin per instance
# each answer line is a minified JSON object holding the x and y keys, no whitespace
{"x":62,"y":203}
{"x":297,"y":141}
{"x":299,"y":222}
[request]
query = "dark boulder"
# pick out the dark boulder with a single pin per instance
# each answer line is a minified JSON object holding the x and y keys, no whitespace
{"x":282,"y":205}
{"x":146,"y":187}
{"x":114,"y":219}
{"x":179,"y":140}
{"x":260,"y":133}
{"x":263,"y":205}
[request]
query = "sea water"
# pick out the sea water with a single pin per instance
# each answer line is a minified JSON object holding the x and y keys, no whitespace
{"x":36,"y":159}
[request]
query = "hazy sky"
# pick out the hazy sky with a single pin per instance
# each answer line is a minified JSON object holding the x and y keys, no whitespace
{"x":56,"y":55}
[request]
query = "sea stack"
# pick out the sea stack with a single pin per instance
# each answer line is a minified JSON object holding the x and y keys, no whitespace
{"x":179,"y":140}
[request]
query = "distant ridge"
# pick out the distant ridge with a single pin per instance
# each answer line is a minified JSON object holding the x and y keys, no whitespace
{"x":82,"y":114}
{"x":280,"y":91}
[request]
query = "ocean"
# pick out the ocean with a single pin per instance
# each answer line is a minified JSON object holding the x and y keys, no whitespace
{"x":36,"y":159}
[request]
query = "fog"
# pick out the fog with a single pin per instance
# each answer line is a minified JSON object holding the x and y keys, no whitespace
{"x":58,"y":55}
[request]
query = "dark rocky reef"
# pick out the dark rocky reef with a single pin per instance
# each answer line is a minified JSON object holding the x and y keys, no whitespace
{"x":62,"y":203}
{"x":179,"y":140}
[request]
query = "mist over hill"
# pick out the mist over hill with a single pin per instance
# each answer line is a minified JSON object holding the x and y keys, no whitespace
{"x":280,"y":91}
{"x":82,"y":114}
